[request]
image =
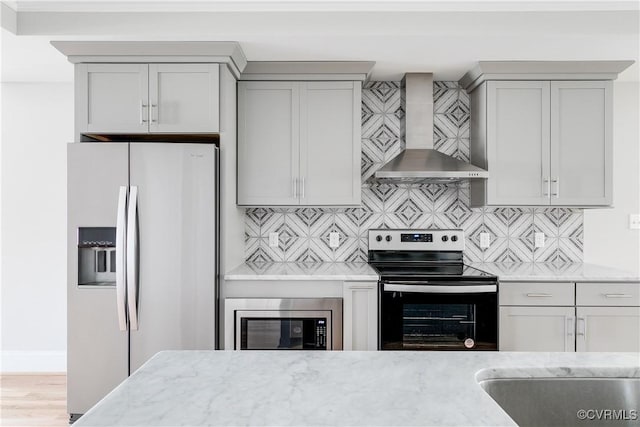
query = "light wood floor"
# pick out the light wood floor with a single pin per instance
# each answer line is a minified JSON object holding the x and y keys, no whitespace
{"x":33,"y":400}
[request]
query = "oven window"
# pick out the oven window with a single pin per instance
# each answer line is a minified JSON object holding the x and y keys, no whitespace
{"x":437,"y":324}
{"x":283,"y":334}
{"x":411,"y":321}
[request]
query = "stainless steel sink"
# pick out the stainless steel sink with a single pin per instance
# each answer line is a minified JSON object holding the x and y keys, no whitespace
{"x":568,"y":401}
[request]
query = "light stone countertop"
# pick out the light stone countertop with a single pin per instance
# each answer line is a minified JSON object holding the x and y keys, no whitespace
{"x":568,"y":272}
{"x":198,"y":388}
{"x":339,"y":271}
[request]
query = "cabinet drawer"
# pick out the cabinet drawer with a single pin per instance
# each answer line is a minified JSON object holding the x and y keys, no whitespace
{"x":536,"y":293}
{"x":608,"y":294}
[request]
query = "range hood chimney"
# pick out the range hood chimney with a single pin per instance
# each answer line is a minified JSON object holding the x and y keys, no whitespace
{"x":420,"y":162}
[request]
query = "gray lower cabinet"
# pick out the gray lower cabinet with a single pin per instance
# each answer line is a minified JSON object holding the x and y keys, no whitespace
{"x":299,"y":143}
{"x":537,"y":316}
{"x":545,"y":143}
{"x":360,"y":317}
{"x":608,"y":329}
{"x":537,"y":329}
{"x":147,"y":98}
{"x":549,"y":316}
{"x":608,"y":317}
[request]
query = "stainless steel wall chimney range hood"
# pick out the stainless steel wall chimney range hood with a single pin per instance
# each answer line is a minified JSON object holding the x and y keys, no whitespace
{"x":420,"y":162}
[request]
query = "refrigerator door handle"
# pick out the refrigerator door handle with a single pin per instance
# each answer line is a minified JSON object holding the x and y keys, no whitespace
{"x":121,"y":233}
{"x":132,"y":258}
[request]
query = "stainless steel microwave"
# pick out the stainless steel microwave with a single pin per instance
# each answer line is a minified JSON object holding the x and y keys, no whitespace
{"x":283,"y":323}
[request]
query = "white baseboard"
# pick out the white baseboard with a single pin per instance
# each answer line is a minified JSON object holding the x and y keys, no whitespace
{"x":33,"y":361}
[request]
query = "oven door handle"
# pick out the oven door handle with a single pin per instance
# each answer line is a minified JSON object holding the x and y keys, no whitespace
{"x":439,"y":288}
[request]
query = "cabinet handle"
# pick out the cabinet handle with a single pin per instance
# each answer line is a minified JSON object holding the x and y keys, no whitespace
{"x":582,"y":332}
{"x":142,"y":107}
{"x":571,"y":327}
{"x":618,"y":296}
{"x":294,"y":182}
{"x":556,"y":181}
{"x":546,"y":186}
{"x":302,"y":195}
{"x":539,"y":295}
{"x":154,"y":117}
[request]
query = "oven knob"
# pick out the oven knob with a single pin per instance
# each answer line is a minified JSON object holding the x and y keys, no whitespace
{"x":378,"y":238}
{"x":388,"y":238}
{"x":445,"y":238}
{"x":454,"y":238}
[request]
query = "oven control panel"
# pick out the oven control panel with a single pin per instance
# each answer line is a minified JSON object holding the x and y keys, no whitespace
{"x":420,"y":240}
{"x":416,"y":237}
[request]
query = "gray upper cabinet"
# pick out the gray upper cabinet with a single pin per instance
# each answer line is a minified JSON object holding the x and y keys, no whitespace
{"x":184,"y":98}
{"x":147,"y":98}
{"x":330,"y":143}
{"x":268,"y":143}
{"x":581,"y":143}
{"x":517,"y":142}
{"x":543,"y":142}
{"x":299,"y":143}
{"x":112,"y":98}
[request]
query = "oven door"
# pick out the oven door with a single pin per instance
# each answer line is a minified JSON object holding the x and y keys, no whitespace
{"x":283,"y":330}
{"x":438,"y":316}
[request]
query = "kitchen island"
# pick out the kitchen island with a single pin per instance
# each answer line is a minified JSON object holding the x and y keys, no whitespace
{"x":198,"y":388}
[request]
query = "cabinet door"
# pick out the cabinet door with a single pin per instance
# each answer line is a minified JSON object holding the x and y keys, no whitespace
{"x":360,"y":316}
{"x":608,"y":329}
{"x":518,"y":143}
{"x":268,"y":143}
{"x":537,"y":329}
{"x":581,"y":143}
{"x":112,"y":98}
{"x":330,"y":143}
{"x":184,"y":98}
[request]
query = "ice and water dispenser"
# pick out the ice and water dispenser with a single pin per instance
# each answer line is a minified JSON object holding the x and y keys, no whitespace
{"x":96,"y":256}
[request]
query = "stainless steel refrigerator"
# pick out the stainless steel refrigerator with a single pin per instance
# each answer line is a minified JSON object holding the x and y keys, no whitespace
{"x":142,"y":259}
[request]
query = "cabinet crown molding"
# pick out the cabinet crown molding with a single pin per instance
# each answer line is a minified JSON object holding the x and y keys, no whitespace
{"x":90,"y":51}
{"x":542,"y":70}
{"x":308,"y":70}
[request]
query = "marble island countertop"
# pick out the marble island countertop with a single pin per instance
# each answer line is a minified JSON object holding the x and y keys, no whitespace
{"x":341,"y":271}
{"x":198,"y":388}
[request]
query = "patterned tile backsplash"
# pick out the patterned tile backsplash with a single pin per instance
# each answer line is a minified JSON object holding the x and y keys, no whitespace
{"x":304,"y":232}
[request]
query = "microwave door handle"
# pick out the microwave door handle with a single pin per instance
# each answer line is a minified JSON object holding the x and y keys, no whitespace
{"x":132,"y":258}
{"x":440,"y":288}
{"x":121,"y":233}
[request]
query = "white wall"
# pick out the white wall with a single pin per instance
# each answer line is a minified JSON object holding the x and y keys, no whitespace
{"x":607,"y":237}
{"x":37,"y":123}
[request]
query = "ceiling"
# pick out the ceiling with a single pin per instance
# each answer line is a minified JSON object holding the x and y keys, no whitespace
{"x":446,"y":38}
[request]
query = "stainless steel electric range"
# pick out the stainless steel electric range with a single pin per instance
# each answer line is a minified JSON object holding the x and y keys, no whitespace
{"x":428,"y":298}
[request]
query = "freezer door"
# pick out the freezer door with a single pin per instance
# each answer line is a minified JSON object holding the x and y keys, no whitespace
{"x":176,"y":268}
{"x":97,"y":353}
